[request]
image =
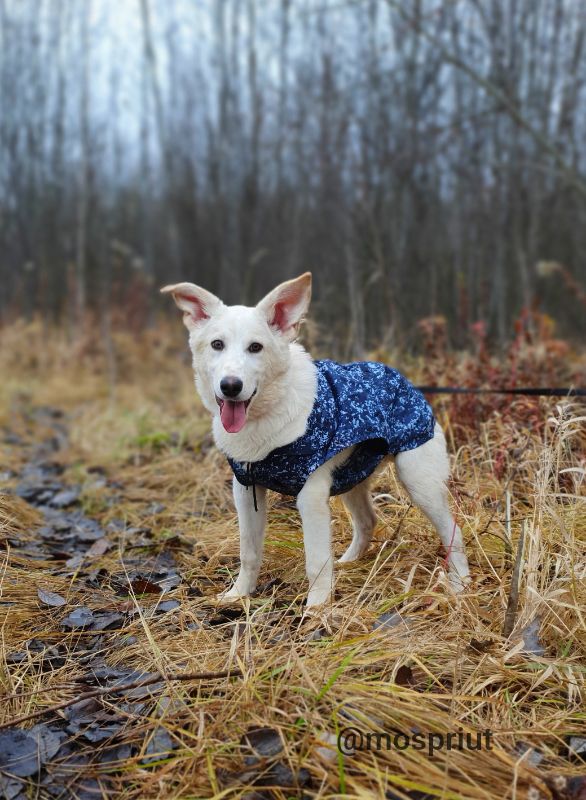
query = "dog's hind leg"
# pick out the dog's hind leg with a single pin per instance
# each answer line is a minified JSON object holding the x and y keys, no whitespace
{"x":359,"y":503}
{"x":424,"y":472}
{"x":252,"y":529}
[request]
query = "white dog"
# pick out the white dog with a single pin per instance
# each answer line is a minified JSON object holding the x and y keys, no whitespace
{"x":309,"y":428}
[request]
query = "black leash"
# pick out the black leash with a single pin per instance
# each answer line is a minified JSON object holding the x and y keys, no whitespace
{"x":250,"y":480}
{"x":531,"y":391}
{"x":535,"y":392}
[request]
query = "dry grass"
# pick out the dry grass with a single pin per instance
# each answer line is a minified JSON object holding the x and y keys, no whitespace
{"x":445,"y":667}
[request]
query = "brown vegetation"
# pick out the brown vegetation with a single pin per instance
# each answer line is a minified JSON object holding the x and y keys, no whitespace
{"x":141,"y":453}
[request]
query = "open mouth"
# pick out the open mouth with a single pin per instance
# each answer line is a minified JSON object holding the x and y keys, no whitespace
{"x":233,"y":412}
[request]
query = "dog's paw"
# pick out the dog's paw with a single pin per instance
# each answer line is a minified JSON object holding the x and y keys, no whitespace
{"x":457,"y":582}
{"x":352,"y":554}
{"x":316,"y":623}
{"x":230,"y":596}
{"x":317,"y":598}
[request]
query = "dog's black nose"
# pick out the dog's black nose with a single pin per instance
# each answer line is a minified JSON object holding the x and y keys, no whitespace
{"x":231,"y":386}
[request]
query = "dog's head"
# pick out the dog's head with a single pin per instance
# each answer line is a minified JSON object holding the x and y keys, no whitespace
{"x":239,"y":351}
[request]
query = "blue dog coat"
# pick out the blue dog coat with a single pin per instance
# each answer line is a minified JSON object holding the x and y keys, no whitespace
{"x":365,"y":404}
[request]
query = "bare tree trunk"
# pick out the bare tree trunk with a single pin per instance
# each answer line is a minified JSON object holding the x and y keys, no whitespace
{"x":164,"y":142}
{"x":83,"y":190}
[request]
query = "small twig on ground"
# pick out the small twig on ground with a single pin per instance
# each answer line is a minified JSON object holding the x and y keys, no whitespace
{"x":509,"y":537}
{"x":512,"y":605}
{"x":42,"y":690}
{"x":123,"y":687}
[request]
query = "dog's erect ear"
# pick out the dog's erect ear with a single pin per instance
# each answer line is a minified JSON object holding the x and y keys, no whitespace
{"x":196,"y":303}
{"x":286,"y":305}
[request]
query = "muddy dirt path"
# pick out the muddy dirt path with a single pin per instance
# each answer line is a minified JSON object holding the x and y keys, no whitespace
{"x":74,"y":590}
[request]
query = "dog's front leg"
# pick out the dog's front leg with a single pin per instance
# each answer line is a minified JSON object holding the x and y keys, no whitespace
{"x":252,"y":530}
{"x":314,"y":507}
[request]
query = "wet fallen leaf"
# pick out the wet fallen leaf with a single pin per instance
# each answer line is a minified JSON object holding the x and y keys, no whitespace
{"x":578,"y":746}
{"x":79,"y":618}
{"x":66,"y":497}
{"x":95,"y":732}
{"x":224,"y":615}
{"x":404,"y":676}
{"x":118,"y":754}
{"x":577,"y":788}
{"x":86,"y":529}
{"x":143,"y":585}
{"x":19,"y":753}
{"x":264,"y":741}
{"x":16,"y":658}
{"x":48,"y":741}
{"x":11,"y":788}
{"x":126,"y":606}
{"x":167,"y":605}
{"x":50,"y":657}
{"x":102,"y":673}
{"x":530,"y":754}
{"x":102,"y":622}
{"x":283,"y":776}
{"x":51,"y":598}
{"x":159,"y":746}
{"x":391,"y":619}
{"x":99,"y":547}
{"x":530,"y":636}
{"x":481,"y":645}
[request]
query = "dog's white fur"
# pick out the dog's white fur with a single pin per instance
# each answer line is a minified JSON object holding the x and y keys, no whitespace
{"x":280,"y":382}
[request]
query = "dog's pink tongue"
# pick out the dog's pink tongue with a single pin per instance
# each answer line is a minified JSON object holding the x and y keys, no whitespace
{"x":233,"y":415}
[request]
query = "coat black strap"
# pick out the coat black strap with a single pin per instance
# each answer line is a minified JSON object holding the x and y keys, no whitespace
{"x":250,"y":480}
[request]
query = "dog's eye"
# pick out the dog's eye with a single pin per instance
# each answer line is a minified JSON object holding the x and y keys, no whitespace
{"x":217,"y":344}
{"x":255,"y":347}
